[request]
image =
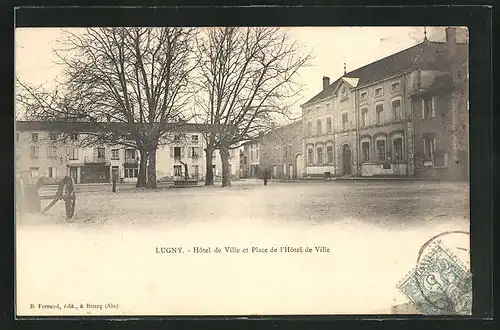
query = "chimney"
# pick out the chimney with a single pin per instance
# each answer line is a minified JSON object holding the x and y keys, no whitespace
{"x":326,"y":82}
{"x":451,"y":40}
{"x":451,"y":50}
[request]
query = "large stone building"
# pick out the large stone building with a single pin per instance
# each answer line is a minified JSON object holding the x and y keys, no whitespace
{"x":365,"y":123}
{"x":45,"y":149}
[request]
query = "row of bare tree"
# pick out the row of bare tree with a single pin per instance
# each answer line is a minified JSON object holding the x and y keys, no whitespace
{"x":235,"y":80}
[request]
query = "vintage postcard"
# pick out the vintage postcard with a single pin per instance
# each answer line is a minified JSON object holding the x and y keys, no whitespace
{"x":242,"y":171}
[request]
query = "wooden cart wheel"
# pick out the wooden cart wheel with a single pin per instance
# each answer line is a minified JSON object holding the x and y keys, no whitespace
{"x":69,"y":197}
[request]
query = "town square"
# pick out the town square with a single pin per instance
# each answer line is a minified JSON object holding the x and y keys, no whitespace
{"x":285,"y":171}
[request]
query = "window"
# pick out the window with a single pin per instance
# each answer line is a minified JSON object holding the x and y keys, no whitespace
{"x":130,"y":154}
{"x":365,"y":148}
{"x":101,"y":153}
{"x":329,"y":154}
{"x":318,"y":126}
{"x":379,"y":91}
{"x":429,"y":147}
{"x":397,"y":149}
{"x":17,"y":137}
{"x":395,"y":87}
{"x":257,"y":154}
{"x":381,"y":150}
{"x":34,"y":137}
{"x":53,"y":136}
{"x":74,"y":137}
{"x":52,"y":152}
{"x":378,"y":110}
{"x":34,"y":152}
{"x":194,"y":171}
{"x":428,"y":108}
{"x":52,"y":172}
{"x":329,"y":124}
{"x":194,"y":152}
{"x":344,"y":121}
{"x":131,"y":173}
{"x":396,"y":109}
{"x":328,"y":105}
{"x":364,"y":117}
{"x":364,"y":96}
{"x":177,"y":170}
{"x":310,"y":156}
{"x":114,"y":154}
{"x":73,"y":153}
{"x":194,"y":139}
{"x":34,"y":172}
{"x":309,"y":128}
{"x":177,"y":138}
{"x":177,"y":152}
{"x":319,"y":152}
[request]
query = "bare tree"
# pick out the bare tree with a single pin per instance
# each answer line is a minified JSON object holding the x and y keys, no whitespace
{"x":131,"y":82}
{"x":246,"y":74}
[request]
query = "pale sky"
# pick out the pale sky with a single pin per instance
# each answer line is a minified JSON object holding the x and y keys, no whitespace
{"x":331,"y":47}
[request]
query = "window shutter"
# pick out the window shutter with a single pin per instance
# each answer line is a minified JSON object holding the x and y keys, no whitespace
{"x":433,"y":114}
{"x":171,"y":152}
{"x":423,"y":109}
{"x":183,"y":152}
{"x":54,"y":172}
{"x":189,"y":153}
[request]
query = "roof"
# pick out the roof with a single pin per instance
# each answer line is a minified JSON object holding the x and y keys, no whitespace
{"x":59,"y":126}
{"x":428,"y":55}
{"x":262,"y":136}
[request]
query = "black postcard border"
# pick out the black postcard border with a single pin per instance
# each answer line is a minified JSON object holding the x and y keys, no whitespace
{"x":477,"y":18}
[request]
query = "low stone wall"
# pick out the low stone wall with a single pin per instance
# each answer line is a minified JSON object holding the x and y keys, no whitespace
{"x":379,"y":170}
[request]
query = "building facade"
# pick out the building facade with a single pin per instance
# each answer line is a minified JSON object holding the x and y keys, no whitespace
{"x":48,"y":150}
{"x":251,"y":159}
{"x":366,"y":123}
{"x":281,"y":152}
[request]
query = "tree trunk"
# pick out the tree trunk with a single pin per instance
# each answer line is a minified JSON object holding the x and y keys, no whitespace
{"x":141,"y":178}
{"x":226,"y":172}
{"x":209,"y":177}
{"x":152,"y":184}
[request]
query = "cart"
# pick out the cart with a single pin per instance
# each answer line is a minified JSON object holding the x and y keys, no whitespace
{"x":30,"y":194}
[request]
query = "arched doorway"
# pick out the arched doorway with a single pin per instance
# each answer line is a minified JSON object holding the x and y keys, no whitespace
{"x":346,"y":160}
{"x":299,"y":166}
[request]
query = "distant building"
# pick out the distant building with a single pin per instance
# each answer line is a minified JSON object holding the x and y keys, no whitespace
{"x":52,"y":150}
{"x":251,"y":158}
{"x":281,"y":152}
{"x":365,"y":123}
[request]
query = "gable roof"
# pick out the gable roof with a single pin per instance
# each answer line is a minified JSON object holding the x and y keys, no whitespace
{"x":428,"y":55}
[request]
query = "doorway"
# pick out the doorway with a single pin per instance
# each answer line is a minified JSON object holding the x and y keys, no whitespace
{"x":346,"y":160}
{"x":299,"y":165}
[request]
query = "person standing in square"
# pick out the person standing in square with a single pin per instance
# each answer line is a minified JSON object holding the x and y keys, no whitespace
{"x":114,"y":179}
